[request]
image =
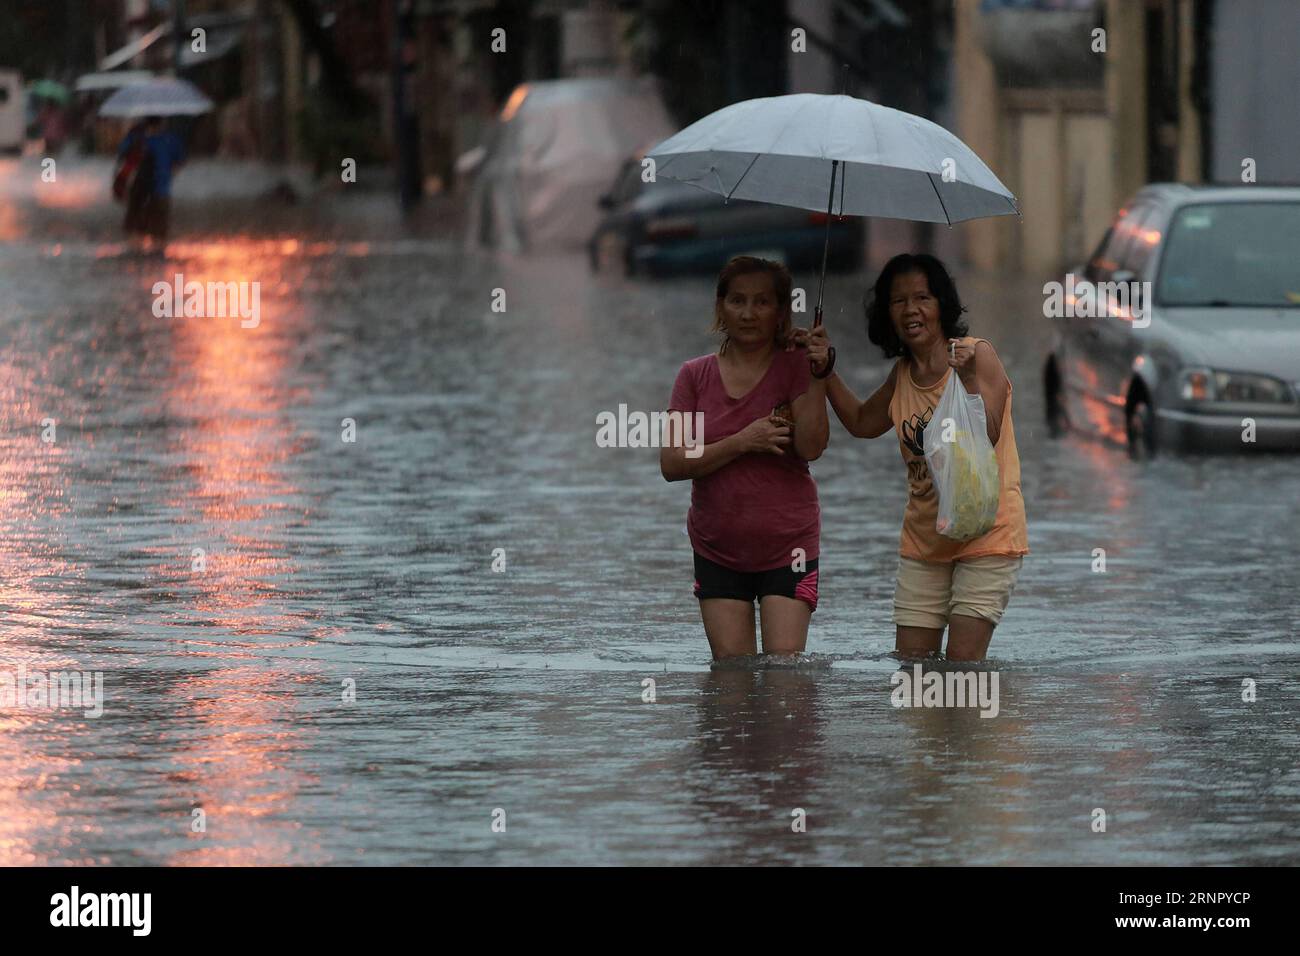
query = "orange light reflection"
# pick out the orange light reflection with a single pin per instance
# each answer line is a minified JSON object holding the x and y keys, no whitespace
{"x":229,"y":383}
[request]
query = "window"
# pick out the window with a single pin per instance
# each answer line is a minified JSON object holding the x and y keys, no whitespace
{"x":1231,"y":254}
{"x":1144,"y":239}
{"x":1110,"y":255}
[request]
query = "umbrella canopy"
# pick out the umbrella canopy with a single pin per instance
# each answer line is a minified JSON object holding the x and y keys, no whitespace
{"x":91,"y":82}
{"x":781,"y":149}
{"x":50,"y":90}
{"x":848,"y":156}
{"x":161,"y":96}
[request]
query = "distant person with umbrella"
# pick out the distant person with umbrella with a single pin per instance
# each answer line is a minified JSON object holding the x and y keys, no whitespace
{"x":754,"y":520}
{"x":159,"y":151}
{"x":155,"y":153}
{"x":53,"y":122}
{"x":52,"y":115}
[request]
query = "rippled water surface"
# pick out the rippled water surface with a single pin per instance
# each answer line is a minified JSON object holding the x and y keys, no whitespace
{"x":332,"y":567}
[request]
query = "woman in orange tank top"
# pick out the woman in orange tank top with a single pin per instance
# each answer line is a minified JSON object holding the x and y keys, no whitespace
{"x":916,"y":317}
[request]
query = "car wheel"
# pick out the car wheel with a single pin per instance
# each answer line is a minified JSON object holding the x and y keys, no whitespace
{"x":1141,"y":429}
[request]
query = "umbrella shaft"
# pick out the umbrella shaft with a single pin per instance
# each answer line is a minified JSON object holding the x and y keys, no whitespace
{"x":826,"y":244}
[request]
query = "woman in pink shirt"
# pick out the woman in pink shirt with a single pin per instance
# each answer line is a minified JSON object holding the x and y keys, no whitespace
{"x":754,"y":521}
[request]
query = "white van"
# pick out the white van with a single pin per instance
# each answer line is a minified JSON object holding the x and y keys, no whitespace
{"x":13,"y":111}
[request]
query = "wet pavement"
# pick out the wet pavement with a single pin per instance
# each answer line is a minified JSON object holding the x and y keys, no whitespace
{"x":330,"y":568}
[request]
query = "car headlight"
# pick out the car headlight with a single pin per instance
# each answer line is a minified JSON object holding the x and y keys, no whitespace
{"x":1209,"y":385}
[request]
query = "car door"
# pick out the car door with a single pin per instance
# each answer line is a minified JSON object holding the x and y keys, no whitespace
{"x":1118,"y":341}
{"x":1074,"y":346}
{"x":1084,"y":372}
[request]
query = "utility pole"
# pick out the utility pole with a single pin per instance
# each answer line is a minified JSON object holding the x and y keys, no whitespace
{"x":70,"y":35}
{"x":406,"y":125}
{"x":178,"y":28}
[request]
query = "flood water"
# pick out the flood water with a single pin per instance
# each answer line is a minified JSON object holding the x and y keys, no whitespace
{"x":330,"y":568}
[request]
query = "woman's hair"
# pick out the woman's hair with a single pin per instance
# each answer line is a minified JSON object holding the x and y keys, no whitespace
{"x":880,"y":329}
{"x":781,"y":283}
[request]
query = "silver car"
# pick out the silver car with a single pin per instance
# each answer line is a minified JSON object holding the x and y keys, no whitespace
{"x":1182,"y":332}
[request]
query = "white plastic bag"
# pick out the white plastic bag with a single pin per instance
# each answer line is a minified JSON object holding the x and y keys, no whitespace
{"x":963,"y":464}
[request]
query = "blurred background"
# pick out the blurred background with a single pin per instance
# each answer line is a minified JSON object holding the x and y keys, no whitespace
{"x":416,"y":90}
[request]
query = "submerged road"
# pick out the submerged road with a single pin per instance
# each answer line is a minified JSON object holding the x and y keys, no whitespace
{"x":308,"y":657}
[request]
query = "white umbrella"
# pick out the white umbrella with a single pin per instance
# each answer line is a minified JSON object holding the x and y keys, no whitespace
{"x":838,"y":153}
{"x":161,"y":96}
{"x":113,"y":80}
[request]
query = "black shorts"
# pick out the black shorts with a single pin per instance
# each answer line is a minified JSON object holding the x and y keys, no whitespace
{"x":713,"y":580}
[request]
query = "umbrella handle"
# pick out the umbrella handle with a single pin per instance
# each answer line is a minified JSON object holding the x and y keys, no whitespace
{"x":830,"y":364}
{"x":821,"y":285}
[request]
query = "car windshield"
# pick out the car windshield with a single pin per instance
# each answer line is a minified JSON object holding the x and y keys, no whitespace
{"x":1232,"y":254}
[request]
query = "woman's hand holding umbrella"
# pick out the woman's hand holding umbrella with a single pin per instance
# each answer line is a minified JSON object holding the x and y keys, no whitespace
{"x":816,"y":341}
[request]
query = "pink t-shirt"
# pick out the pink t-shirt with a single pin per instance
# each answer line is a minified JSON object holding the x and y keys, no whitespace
{"x":751,"y":513}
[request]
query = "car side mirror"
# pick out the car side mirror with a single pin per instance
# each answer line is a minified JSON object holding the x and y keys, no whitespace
{"x":1133,"y":302}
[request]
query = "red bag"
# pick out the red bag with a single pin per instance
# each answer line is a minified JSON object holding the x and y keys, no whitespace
{"x":130,"y":162}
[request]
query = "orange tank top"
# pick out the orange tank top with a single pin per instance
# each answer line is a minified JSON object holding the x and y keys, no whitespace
{"x":910,"y":410}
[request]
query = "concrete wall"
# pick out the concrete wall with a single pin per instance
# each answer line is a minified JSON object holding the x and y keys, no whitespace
{"x":1255,"y":89}
{"x":1058,"y":151}
{"x":979,"y":124}
{"x":1071,"y":153}
{"x":812,"y":71}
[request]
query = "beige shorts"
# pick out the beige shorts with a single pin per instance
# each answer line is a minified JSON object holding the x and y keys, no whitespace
{"x":927,"y":593}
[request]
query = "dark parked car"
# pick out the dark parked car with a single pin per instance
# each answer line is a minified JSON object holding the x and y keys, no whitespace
{"x":1219,"y":341}
{"x":665,"y":226}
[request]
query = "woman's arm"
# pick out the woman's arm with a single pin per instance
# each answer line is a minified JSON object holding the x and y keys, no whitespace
{"x":761,"y":435}
{"x":869,"y":419}
{"x":982,"y":374}
{"x":675,"y":466}
{"x":812,"y":430}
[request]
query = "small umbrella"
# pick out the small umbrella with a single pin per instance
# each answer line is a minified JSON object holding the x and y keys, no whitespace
{"x":111,"y":80}
{"x":161,"y":96}
{"x":49,"y":90}
{"x":850,"y":156}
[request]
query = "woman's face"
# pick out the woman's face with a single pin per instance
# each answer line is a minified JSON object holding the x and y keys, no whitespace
{"x":914,"y":312}
{"x":749,"y":311}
